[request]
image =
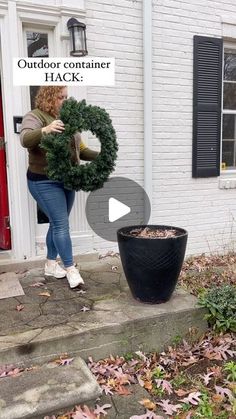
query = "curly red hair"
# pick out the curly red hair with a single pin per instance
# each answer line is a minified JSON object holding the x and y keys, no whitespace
{"x":46,"y":98}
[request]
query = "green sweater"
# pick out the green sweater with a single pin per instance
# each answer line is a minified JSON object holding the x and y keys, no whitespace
{"x":31,"y":135}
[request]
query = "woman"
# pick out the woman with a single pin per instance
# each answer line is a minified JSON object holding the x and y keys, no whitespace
{"x":51,"y":196}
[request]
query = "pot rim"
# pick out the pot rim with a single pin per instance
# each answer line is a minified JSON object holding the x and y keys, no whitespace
{"x":157,"y":226}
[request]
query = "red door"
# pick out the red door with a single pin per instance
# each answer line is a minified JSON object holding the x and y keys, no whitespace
{"x":5,"y":238}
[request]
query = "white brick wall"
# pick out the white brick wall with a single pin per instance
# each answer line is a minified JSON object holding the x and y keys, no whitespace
{"x":115,"y":29}
{"x":198,"y":205}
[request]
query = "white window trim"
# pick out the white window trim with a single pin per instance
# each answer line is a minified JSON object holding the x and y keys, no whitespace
{"x":227,"y":178}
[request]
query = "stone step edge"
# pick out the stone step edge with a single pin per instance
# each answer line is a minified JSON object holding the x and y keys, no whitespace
{"x":103,"y":340}
{"x":47,"y":390}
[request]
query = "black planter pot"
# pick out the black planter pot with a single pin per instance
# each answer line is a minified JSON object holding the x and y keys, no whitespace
{"x":152,"y":265}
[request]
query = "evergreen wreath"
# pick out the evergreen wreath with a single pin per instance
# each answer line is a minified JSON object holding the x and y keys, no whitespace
{"x":78,"y":116}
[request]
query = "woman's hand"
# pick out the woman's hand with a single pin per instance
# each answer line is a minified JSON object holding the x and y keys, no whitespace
{"x":55,"y":126}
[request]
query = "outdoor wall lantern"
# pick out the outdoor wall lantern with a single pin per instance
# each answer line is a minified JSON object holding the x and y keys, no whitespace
{"x":77,"y":37}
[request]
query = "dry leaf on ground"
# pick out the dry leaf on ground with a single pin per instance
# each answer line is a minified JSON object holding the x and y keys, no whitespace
{"x":100,"y":410}
{"x":147,"y":415}
{"x":20,"y":307}
{"x":45,"y":294}
{"x":83,"y":413}
{"x":169,"y":408}
{"x":84,"y":309}
{"x":148,"y":404}
{"x":37,"y":284}
{"x":193,"y":398}
{"x":123,"y":391}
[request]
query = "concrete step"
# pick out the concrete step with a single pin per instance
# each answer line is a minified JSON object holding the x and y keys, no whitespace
{"x":46,"y":390}
{"x":112,"y":326}
{"x":105,"y":319}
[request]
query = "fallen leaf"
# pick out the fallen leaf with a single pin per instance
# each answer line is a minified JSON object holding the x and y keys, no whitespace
{"x":123,"y":391}
{"x":4,"y":370}
{"x":83,"y":413}
{"x":148,"y":385}
{"x":222,"y":391}
{"x":85,"y":309}
{"x":148,"y":404}
{"x":217,"y":398}
{"x":181,"y":392}
{"x":232,"y":386}
{"x":37,"y":284}
{"x":20,"y":307}
{"x":207,"y":378}
{"x":81,"y":292}
{"x":66,"y":361}
{"x":224,"y":351}
{"x":190,"y":361}
{"x":217,"y":371}
{"x":169,"y":408}
{"x":111,"y":382}
{"x":15,"y":371}
{"x":109,"y":253}
{"x":63,"y":360}
{"x":165,"y":385}
{"x":100,"y":410}
{"x":212,"y":355}
{"x":45,"y":294}
{"x":147,"y":415}
{"x":107,"y":390}
{"x":193,"y":398}
{"x":141,"y":355}
{"x":140,"y":381}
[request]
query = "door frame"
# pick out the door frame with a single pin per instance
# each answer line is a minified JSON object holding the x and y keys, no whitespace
{"x":22,"y":209}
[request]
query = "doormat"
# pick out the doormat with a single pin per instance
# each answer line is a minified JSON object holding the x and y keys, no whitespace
{"x":10,"y":285}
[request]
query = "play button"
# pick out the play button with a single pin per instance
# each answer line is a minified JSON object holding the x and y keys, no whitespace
{"x":120,"y":203}
{"x":117,"y":210}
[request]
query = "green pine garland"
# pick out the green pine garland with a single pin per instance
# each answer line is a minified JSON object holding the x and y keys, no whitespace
{"x":78,"y":116}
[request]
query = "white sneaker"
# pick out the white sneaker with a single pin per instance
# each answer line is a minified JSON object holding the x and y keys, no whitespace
{"x":74,"y":278}
{"x":54,"y":270}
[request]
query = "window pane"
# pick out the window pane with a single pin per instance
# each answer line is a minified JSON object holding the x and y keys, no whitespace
{"x":229,"y":95}
{"x":229,"y":140}
{"x":37,"y":46}
{"x":230,"y":65}
{"x":229,"y":127}
{"x":228,"y":154}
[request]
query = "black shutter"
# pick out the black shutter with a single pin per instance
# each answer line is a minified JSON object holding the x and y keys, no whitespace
{"x":207,"y":86}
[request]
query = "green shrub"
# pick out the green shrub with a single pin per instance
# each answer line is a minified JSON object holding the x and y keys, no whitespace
{"x":221,"y":304}
{"x":230,"y":368}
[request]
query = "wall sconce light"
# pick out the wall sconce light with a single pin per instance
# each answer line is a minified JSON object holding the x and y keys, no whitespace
{"x":77,"y":37}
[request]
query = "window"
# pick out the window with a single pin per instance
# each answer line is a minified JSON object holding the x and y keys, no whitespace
{"x":229,"y":110}
{"x":37,"y":46}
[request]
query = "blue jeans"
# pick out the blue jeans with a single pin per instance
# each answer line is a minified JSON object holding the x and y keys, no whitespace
{"x":56,"y":202}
